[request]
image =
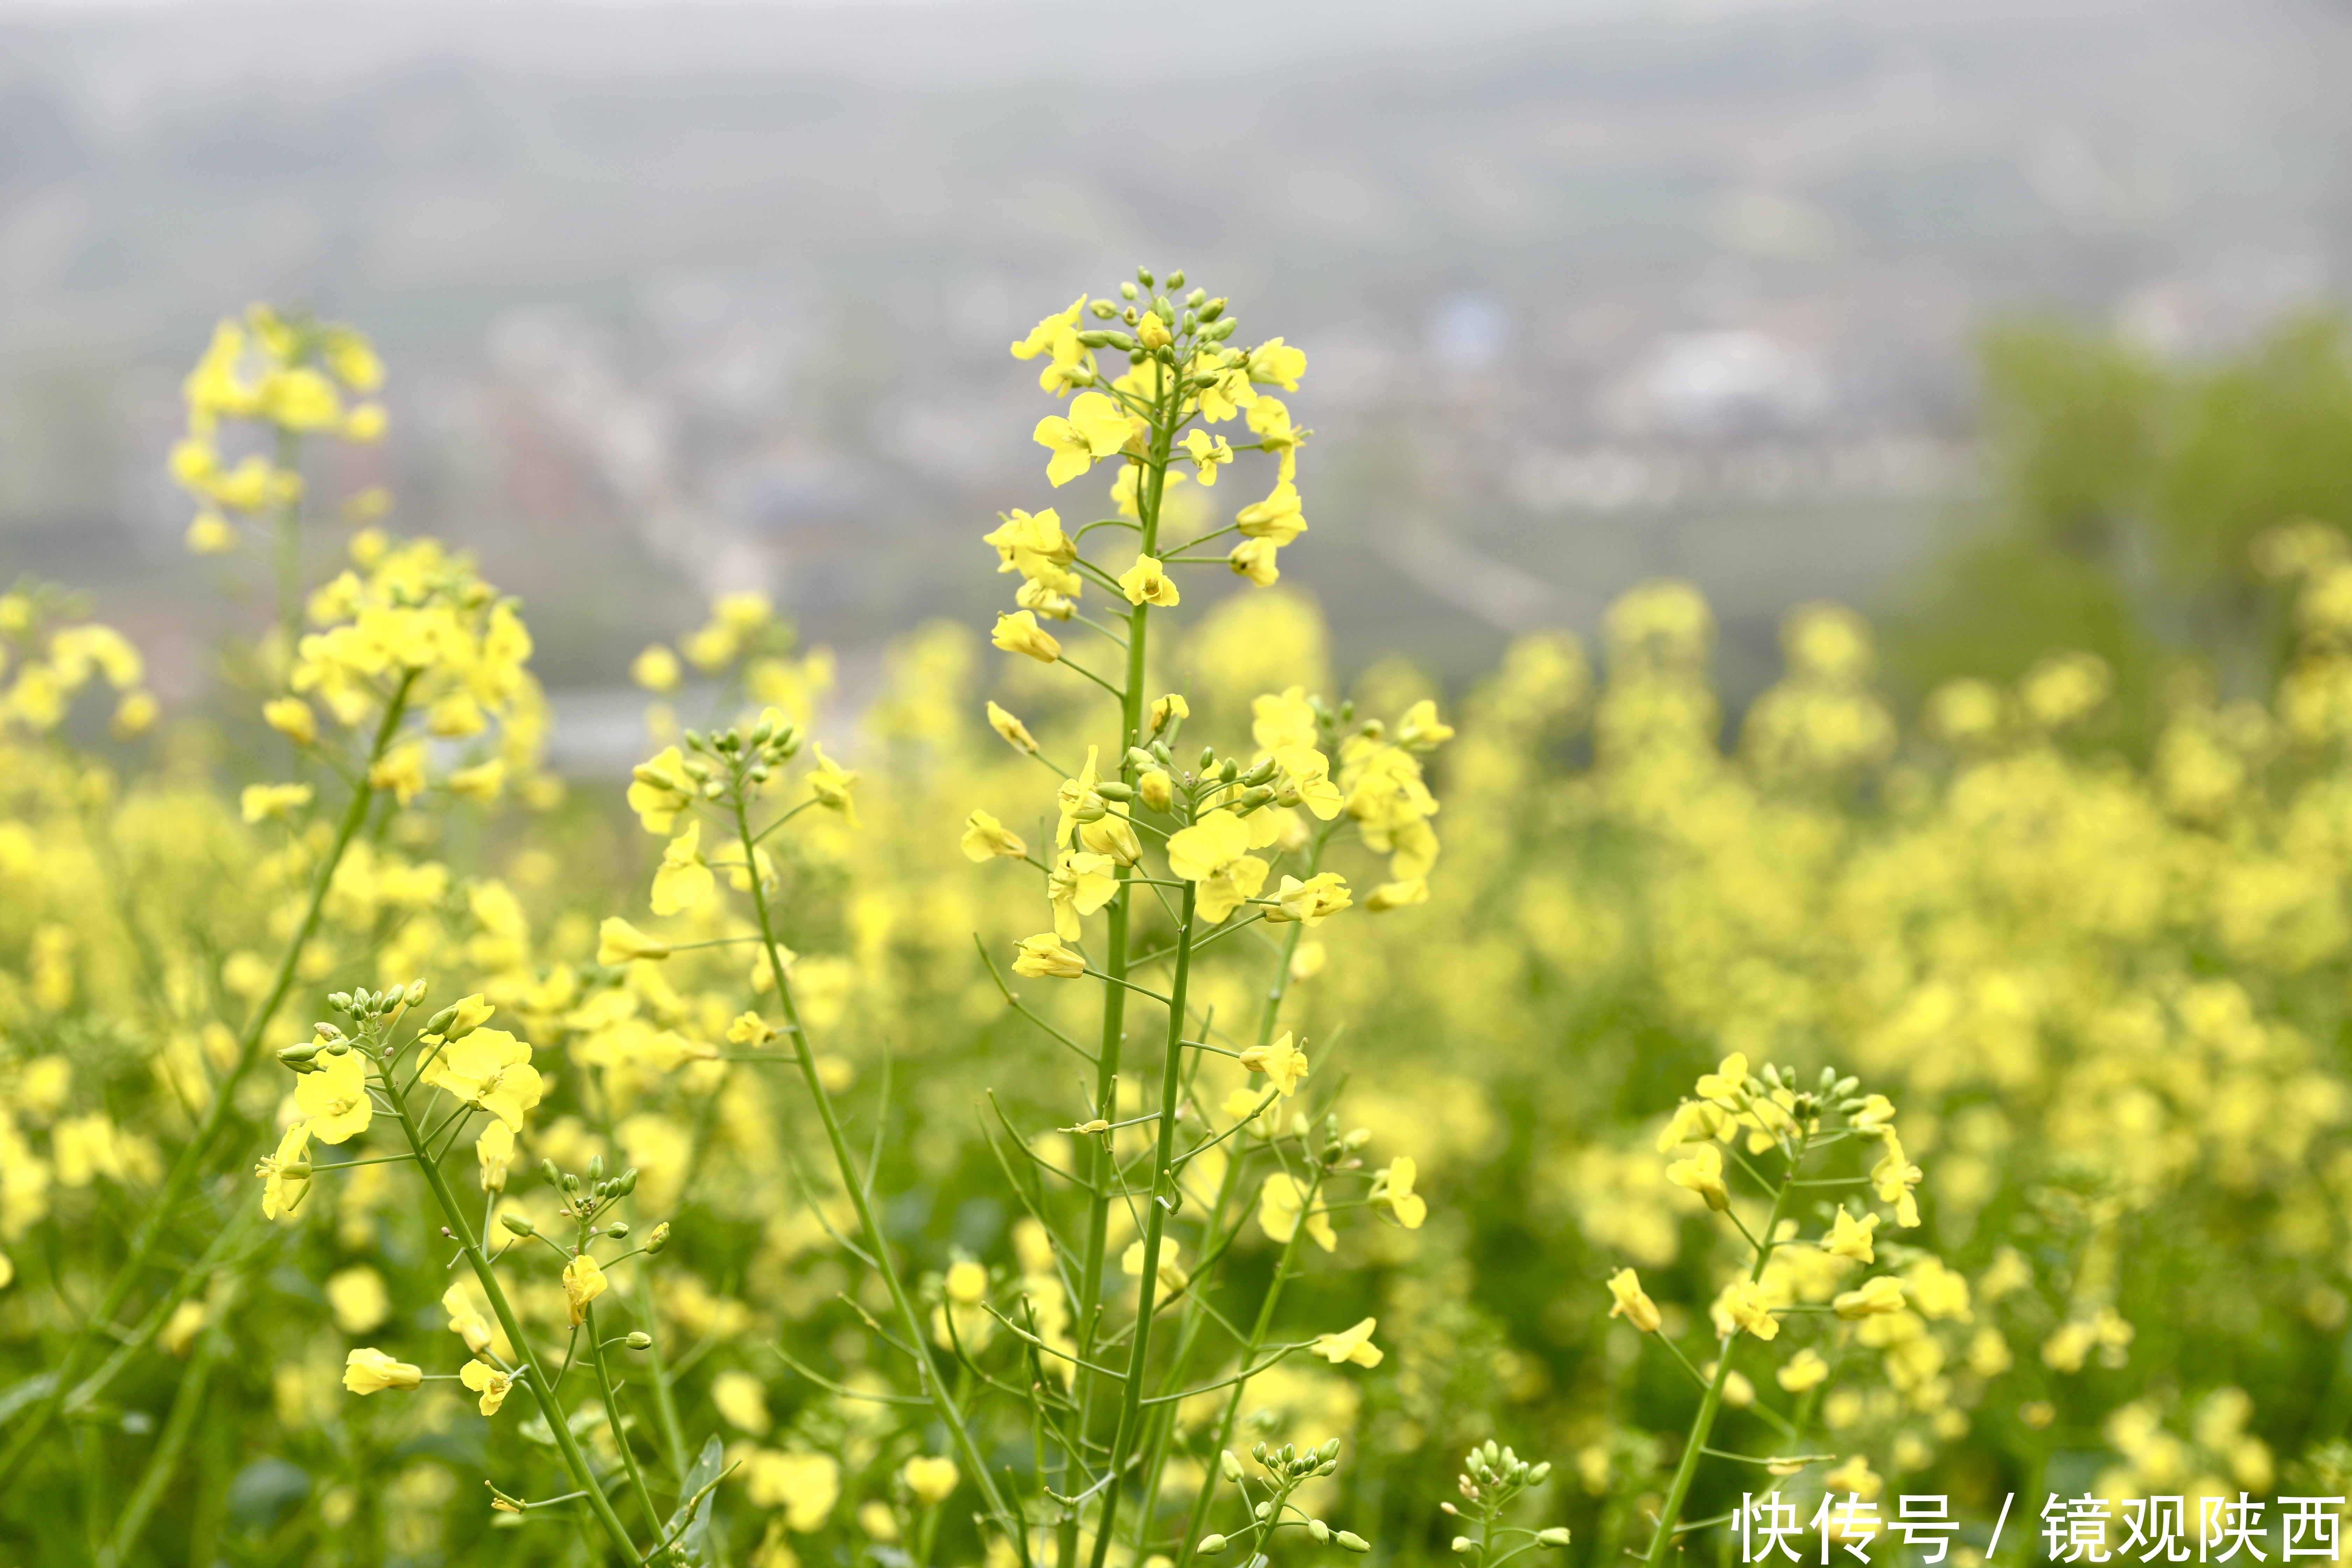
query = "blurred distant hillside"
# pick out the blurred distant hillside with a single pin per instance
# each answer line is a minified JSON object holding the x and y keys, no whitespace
{"x":681,"y":297}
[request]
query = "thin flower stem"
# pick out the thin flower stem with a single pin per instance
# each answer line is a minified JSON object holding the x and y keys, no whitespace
{"x":542,"y":1389}
{"x":943,"y":1400}
{"x":1703,"y":1424}
{"x":186,"y":1170}
{"x":613,"y":1420}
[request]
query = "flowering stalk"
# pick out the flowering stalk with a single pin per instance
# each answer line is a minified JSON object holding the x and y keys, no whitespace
{"x":943,"y":1399}
{"x":1103,"y":1166}
{"x":1711,"y":1402}
{"x":182,"y":1178}
{"x":533,"y":1371}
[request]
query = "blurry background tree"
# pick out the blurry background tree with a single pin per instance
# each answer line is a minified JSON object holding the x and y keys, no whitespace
{"x":2131,"y":492}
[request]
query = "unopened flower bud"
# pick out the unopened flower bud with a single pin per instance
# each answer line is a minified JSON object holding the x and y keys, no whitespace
{"x":1208,"y":758}
{"x":1462,"y":1543}
{"x":297,"y":1056}
{"x":1537,"y":1476}
{"x":1156,"y":790}
{"x":658,"y":1239}
{"x":439,"y":1023}
{"x":595,"y":1167}
{"x":1211,"y":1545}
{"x":628,"y":1181}
{"x":639,"y":1340}
{"x":1350,"y":1540}
{"x":1112,"y":789}
{"x":1229,"y":1466}
{"x":1318,"y":1530}
{"x":415,"y":991}
{"x":547,"y":1169}
{"x":341,"y":1001}
{"x":1556,"y":1536}
{"x":518,"y":1224}
{"x":618,"y":1230}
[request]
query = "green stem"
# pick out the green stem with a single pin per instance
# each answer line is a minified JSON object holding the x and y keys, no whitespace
{"x":1711,"y":1402}
{"x":1102,"y":1169}
{"x":613,"y":1420}
{"x":664,"y":1396}
{"x":541,"y":1389}
{"x":943,"y":1400}
{"x":185,"y":1169}
{"x":1155,"y":1223}
{"x":185,"y":1406}
{"x":1258,"y":1332}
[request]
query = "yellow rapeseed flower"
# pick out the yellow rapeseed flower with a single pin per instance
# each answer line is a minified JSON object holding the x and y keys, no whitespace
{"x":1044,"y":957}
{"x":1282,"y":1062}
{"x":1633,"y":1302}
{"x":489,"y":1381}
{"x":1148,"y":583}
{"x":335,"y":1097}
{"x":369,"y":1370}
{"x":684,"y":882}
{"x":618,"y":942}
{"x":1393,"y":1194}
{"x":1020,"y":633}
{"x":1701,"y":1171}
{"x":930,"y":1478}
{"x":583,"y":1282}
{"x":1350,"y":1346}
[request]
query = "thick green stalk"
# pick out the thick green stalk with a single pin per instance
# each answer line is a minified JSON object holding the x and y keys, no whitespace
{"x":1102,"y":1170}
{"x":943,"y":1400}
{"x":185,"y":1169}
{"x":613,"y":1419}
{"x":1155,"y":1223}
{"x":1711,"y":1402}
{"x":543,"y":1389}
